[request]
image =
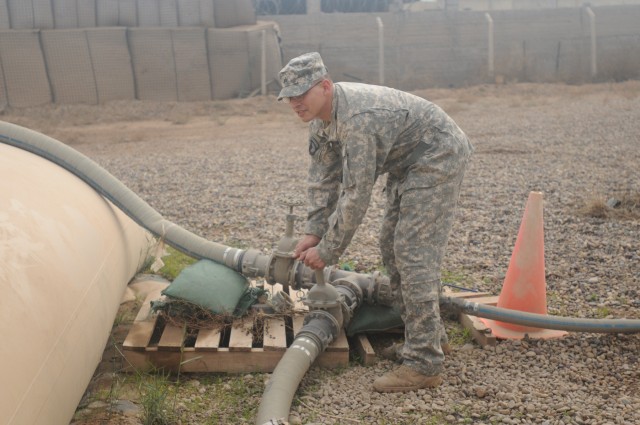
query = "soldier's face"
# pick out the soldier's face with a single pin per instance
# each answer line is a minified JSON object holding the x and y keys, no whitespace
{"x":311,"y":104}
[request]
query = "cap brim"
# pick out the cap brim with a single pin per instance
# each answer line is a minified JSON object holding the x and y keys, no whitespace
{"x":293,"y":91}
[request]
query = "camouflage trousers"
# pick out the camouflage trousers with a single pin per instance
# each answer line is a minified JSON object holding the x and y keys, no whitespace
{"x":413,"y":240}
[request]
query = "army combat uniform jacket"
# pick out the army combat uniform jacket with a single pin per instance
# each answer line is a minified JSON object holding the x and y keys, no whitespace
{"x":374,"y":130}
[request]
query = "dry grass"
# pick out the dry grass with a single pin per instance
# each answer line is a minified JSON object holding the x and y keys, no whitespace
{"x":622,"y":206}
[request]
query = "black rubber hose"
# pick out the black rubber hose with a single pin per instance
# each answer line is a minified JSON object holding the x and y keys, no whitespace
{"x":543,"y":321}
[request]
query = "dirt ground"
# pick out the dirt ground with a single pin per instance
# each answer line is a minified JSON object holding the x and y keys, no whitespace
{"x":218,"y":168}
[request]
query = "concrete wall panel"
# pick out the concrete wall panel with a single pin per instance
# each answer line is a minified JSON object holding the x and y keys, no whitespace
{"x":111,"y":64}
{"x":65,"y":13}
{"x":228,"y":62}
{"x":192,"y":70}
{"x":157,"y":13}
{"x":168,"y":13}
{"x":107,"y":13}
{"x":540,"y":42}
{"x":127,"y":13}
{"x":4,"y":101}
{"x":112,"y":13}
{"x":235,"y":59}
{"x":30,"y":14}
{"x":74,"y":13}
{"x":68,"y":60}
{"x":188,"y":13}
{"x":148,"y":13}
{"x":5,"y":23}
{"x":154,"y":68}
{"x":86,"y":13}
{"x":231,"y":13}
{"x":24,"y":68}
{"x":273,"y":54}
{"x":207,"y":15}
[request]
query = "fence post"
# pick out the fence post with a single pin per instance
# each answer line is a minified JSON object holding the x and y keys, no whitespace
{"x":263,"y":64}
{"x":314,"y":7}
{"x":592,"y":28}
{"x":490,"y":63}
{"x":380,"y":51}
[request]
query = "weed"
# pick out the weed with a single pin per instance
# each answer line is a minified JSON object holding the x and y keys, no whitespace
{"x":624,"y":205}
{"x":457,"y":278}
{"x":603,"y":312}
{"x":174,"y":263}
{"x":459,"y":335}
{"x":155,"y":389}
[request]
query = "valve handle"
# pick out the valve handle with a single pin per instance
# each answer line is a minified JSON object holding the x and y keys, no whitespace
{"x":290,"y":201}
{"x":320,"y":276}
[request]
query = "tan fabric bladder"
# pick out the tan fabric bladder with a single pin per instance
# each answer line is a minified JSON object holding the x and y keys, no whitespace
{"x":66,"y":257}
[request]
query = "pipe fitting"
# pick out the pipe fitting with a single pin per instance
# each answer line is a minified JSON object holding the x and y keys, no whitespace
{"x":254,"y":263}
{"x":320,"y":326}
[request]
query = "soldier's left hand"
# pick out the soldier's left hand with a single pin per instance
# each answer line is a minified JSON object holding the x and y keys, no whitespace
{"x":312,"y":259}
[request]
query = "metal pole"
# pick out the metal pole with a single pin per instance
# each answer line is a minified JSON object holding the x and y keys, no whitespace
{"x":490,"y":44}
{"x":380,"y":51}
{"x":592,"y":27}
{"x":263,"y":64}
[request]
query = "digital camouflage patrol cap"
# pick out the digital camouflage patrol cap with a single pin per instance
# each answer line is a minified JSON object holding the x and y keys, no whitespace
{"x":300,"y":74}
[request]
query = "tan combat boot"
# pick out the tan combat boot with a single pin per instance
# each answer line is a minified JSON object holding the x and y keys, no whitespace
{"x":405,"y":379}
{"x":394,"y":351}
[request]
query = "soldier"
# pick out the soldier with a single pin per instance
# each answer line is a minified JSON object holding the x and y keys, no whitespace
{"x":358,"y":132}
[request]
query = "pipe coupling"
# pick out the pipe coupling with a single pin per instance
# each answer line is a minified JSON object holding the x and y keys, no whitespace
{"x":320,"y":326}
{"x":255,"y":263}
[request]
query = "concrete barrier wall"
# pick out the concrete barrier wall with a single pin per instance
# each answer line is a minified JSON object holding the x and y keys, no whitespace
{"x":25,"y":73}
{"x":95,"y":65}
{"x":421,"y":49}
{"x":440,"y":48}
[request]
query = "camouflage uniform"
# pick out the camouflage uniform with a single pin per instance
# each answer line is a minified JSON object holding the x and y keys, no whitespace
{"x":379,"y":130}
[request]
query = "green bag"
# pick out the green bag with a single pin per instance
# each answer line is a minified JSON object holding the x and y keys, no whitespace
{"x":210,"y":285}
{"x":374,"y":318}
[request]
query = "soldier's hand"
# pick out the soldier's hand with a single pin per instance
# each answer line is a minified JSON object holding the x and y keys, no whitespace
{"x":312,"y":259}
{"x":308,"y":241}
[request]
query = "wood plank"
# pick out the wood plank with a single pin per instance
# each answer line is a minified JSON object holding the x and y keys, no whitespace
{"x":490,"y":300}
{"x":466,"y":294}
{"x":479,"y":331}
{"x":172,"y":338}
{"x":340,"y":343}
{"x":275,"y":334}
{"x":241,"y":338}
{"x":142,"y":327}
{"x":297,"y":300}
{"x":223,"y":360}
{"x":365,"y":349}
{"x":208,"y":339}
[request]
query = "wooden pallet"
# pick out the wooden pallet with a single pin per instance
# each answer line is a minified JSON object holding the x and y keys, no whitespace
{"x":154,"y":344}
{"x":479,"y":331}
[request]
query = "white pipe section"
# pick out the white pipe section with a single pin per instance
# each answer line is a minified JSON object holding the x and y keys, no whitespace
{"x":592,"y":28}
{"x":380,"y":51}
{"x":66,"y":255}
{"x":490,"y":44}
{"x":263,"y":64}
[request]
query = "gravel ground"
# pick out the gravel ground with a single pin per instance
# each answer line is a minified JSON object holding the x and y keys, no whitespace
{"x":218,"y":169}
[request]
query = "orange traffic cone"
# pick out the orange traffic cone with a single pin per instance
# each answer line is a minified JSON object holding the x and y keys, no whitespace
{"x":525,"y":286}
